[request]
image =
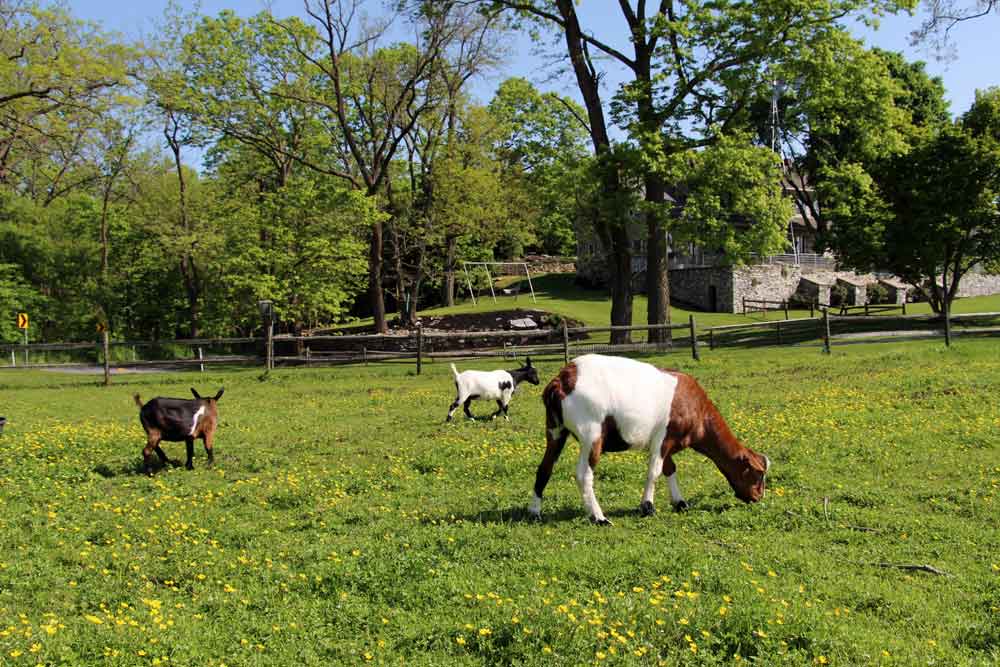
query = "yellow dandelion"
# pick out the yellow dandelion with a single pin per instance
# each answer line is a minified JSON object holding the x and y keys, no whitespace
{"x":460,"y":641}
{"x":94,"y":619}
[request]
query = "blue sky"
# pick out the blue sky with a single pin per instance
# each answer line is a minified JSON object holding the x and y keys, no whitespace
{"x":975,"y":67}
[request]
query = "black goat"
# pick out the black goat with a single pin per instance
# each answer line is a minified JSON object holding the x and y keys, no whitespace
{"x":176,"y":419}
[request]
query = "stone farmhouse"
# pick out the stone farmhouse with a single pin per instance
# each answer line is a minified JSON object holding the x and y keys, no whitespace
{"x":704,"y":278}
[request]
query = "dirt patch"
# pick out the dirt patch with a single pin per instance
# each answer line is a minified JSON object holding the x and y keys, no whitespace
{"x":499,"y":320}
{"x":401,"y":339}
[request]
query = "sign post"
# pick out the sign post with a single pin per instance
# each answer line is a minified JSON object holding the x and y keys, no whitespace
{"x":22,"y":324}
{"x":102,"y":329}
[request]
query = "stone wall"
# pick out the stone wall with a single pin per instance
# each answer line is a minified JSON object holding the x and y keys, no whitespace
{"x":728,"y":286}
{"x":979,"y":284}
{"x":699,"y":286}
{"x":769,"y":282}
{"x":814,"y":289}
{"x":537,"y":264}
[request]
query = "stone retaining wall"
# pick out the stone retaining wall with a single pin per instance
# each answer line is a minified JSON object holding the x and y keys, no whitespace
{"x":979,"y":284}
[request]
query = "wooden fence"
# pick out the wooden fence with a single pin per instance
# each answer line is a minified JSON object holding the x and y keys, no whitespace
{"x":764,"y":306}
{"x":419,"y":346}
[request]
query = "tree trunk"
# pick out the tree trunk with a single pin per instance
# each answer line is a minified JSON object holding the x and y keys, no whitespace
{"x":375,"y":263}
{"x":657,"y":269}
{"x":189,"y":270}
{"x":620,"y":269}
{"x":451,"y":247}
{"x":609,"y":228}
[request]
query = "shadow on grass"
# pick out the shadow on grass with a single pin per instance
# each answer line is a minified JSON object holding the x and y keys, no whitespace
{"x":710,"y":504}
{"x":562,"y":286}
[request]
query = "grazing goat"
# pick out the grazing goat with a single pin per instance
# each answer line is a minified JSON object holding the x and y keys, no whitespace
{"x":176,"y":419}
{"x":612,"y":404}
{"x":496,"y":385}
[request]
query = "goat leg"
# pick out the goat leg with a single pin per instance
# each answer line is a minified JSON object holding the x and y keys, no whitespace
{"x":207,"y":441}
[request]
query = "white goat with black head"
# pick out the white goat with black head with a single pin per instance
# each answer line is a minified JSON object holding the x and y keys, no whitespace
{"x":487,"y":385}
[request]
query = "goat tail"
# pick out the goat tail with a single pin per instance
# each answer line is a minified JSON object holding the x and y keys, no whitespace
{"x":138,"y":401}
{"x":454,"y":372}
{"x":552,"y":397}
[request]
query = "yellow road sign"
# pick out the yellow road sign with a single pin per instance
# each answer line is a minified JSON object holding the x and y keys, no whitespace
{"x":22,"y":320}
{"x":101,"y":327}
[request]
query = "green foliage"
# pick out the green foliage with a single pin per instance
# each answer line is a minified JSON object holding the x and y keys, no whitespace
{"x":733,"y":200}
{"x":58,"y":76}
{"x":541,"y":145}
{"x":17,"y":296}
{"x":298,"y":247}
{"x":930,"y":215}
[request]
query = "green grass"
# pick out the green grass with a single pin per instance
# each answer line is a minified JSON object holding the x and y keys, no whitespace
{"x":343,"y":523}
{"x":558,"y":293}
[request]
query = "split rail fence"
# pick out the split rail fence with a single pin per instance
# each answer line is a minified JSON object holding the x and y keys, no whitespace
{"x":419,"y":347}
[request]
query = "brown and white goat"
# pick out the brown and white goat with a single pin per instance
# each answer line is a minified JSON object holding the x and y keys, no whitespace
{"x":612,"y":404}
{"x":177,"y":419}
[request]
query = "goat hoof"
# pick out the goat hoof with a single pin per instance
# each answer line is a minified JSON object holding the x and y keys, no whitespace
{"x":534,"y":516}
{"x":682,"y":506}
{"x":601,"y":522}
{"x":646,"y":508}
{"x":189,"y":466}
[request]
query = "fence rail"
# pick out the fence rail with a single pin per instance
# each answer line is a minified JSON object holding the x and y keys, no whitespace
{"x":418,"y":346}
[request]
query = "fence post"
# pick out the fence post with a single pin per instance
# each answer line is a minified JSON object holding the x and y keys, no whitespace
{"x":13,"y":358}
{"x":420,"y":346}
{"x":947,"y":323}
{"x":777,"y":330}
{"x":270,"y":346}
{"x":201,"y":358}
{"x":308,"y":355}
{"x":826,"y":330}
{"x":565,"y":333}
{"x":106,"y":347}
{"x":811,"y":304}
{"x":866,"y":308}
{"x":694,"y":340}
{"x":711,"y":339}
{"x":904,"y":306}
{"x":786,"y":309}
{"x":364,"y":354}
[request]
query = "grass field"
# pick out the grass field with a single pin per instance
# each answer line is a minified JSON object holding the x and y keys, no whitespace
{"x":558,"y":293}
{"x":344,"y":523}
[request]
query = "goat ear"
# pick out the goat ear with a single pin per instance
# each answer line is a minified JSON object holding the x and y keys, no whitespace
{"x":196,"y":394}
{"x":219,"y":395}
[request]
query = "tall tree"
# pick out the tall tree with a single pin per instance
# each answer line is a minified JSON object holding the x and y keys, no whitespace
{"x":694,"y":69}
{"x":55,"y":71}
{"x":928,"y":215}
{"x":542,"y":148}
{"x":166,"y":89}
{"x":372,"y":97}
